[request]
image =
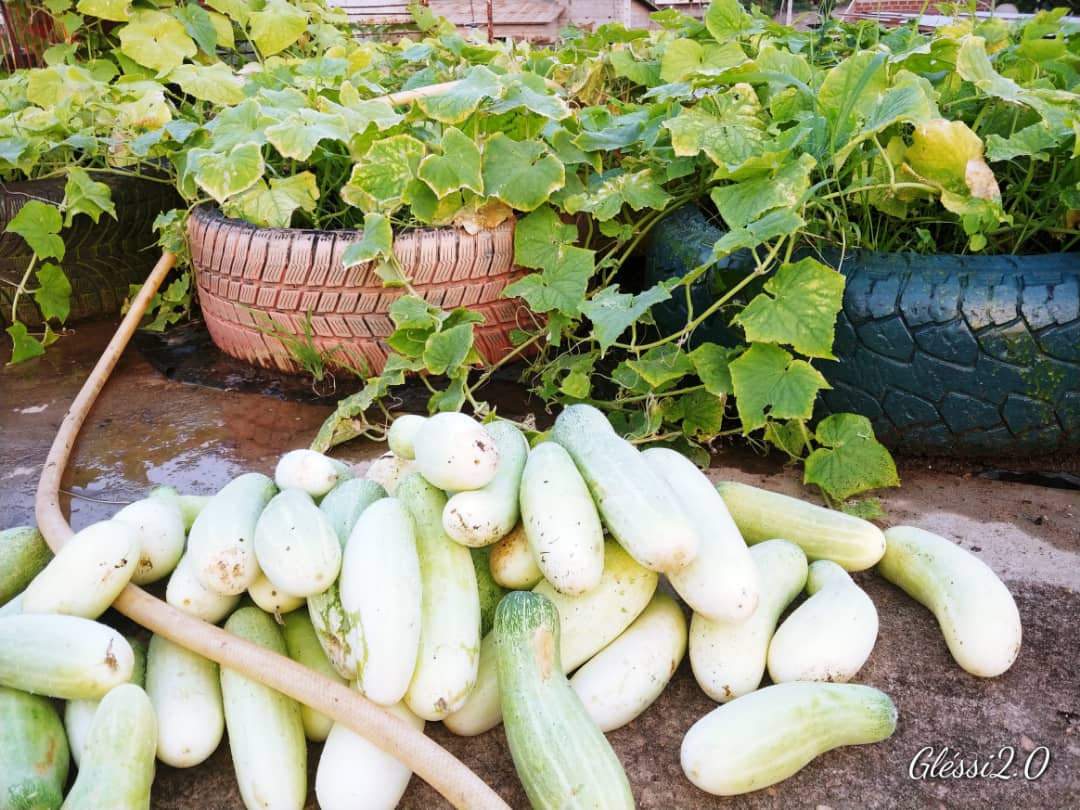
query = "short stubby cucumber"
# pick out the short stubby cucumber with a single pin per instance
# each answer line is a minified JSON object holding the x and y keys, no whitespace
{"x":512,"y":563}
{"x":637,"y":505}
{"x":23,"y":554}
{"x":296,"y":546}
{"x":160,"y":527}
{"x":824,"y":534}
{"x":304,"y":647}
{"x":221,"y":543}
{"x":271,"y":598}
{"x":830,"y":635}
{"x":729,"y":658}
{"x":185,"y":690}
{"x":455,"y":452}
{"x":402,"y":434}
{"x":769,"y":735}
{"x":974,"y":608}
{"x":34,"y":756}
{"x":389,"y":470}
{"x":479,"y":517}
{"x":310,"y":471}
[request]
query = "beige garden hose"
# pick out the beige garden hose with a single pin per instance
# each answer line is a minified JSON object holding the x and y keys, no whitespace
{"x":432,"y":763}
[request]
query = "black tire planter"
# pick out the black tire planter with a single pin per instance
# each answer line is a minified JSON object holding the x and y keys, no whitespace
{"x":101,"y":259}
{"x":967,"y":356}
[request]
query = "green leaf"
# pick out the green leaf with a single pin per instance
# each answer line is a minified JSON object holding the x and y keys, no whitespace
{"x":728,"y":142}
{"x":769,"y":382}
{"x":53,"y":294}
{"x":456,"y":168}
{"x":604,"y":132}
{"x":626,"y":66}
{"x":798,"y":307}
{"x":23,"y":346}
{"x":851,"y":460}
{"x":275,"y":205}
{"x":377,"y":241}
{"x":39,"y":224}
{"x":380,"y":177}
{"x":236,"y":10}
{"x":1031,"y":141}
{"x":789,"y":436}
{"x":539,"y":236}
{"x":298,"y":133}
{"x":727,"y":19}
{"x":83,"y":195}
{"x":560,"y":286}
{"x":452,"y":398}
{"x":522,"y":174}
{"x":413,"y":312}
{"x":741,"y":203}
{"x":115,"y":10}
{"x":850,"y":92}
{"x":782,"y":222}
{"x":712,"y":364}
{"x":215,"y":83}
{"x":662,"y":364}
{"x":156,"y":40}
{"x":457,"y":104}
{"x":225,"y":175}
{"x":612,"y":312}
{"x":447,"y":349}
{"x":700,"y":413}
{"x":681,"y":58}
{"x":199,"y":26}
{"x":867,"y":509}
{"x":605,"y":198}
{"x":277,"y":26}
{"x":527,"y":90}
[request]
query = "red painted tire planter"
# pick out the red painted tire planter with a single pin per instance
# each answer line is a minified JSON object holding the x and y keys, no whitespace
{"x":246,"y":274}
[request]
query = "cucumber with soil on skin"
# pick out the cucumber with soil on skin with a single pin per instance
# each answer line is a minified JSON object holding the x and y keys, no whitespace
{"x":118,"y":761}
{"x":769,"y":735}
{"x":62,"y":656}
{"x":265,"y":728}
{"x":729,"y":658}
{"x":389,"y":470}
{"x":512,"y":563}
{"x":296,"y":546}
{"x":185,"y":691}
{"x":34,"y":756}
{"x":309,"y":471}
{"x":270,"y":598}
{"x":304,"y":647}
{"x":974,"y":608}
{"x":455,"y":452}
{"x":830,"y":635}
{"x":162,"y":535}
{"x":823,"y":534}
{"x":186,"y":593}
{"x":561,"y":757}
{"x":480,"y":517}
{"x":638,"y":507}
{"x":23,"y":555}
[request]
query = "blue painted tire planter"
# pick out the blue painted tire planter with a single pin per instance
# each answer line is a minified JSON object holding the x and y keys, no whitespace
{"x":968,"y":356}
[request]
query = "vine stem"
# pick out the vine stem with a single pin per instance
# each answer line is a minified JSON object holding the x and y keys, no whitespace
{"x":21,"y":289}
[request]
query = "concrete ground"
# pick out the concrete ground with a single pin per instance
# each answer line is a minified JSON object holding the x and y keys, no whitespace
{"x":148,"y":430}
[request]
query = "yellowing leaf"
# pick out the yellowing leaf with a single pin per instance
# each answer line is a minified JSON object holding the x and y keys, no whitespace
{"x":381,"y":176}
{"x":277,"y":26}
{"x":215,"y":83}
{"x":274,"y":205}
{"x":156,"y":40}
{"x":224,"y":175}
{"x":115,"y":10}
{"x":949,"y":153}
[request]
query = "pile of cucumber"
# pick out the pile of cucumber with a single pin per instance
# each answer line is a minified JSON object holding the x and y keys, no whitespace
{"x":461,"y":579}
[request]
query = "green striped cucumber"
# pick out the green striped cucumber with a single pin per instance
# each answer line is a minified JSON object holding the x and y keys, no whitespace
{"x":728,"y":658}
{"x":34,"y":757}
{"x":186,"y":593}
{"x":512,"y":563}
{"x":561,"y":523}
{"x":62,"y":656}
{"x":637,"y":505}
{"x":266,"y":730}
{"x":824,"y":534}
{"x":23,"y":554}
{"x":344,"y":504}
{"x":561,"y":756}
{"x":589,"y":623}
{"x":117,"y":766}
{"x":381,"y":595}
{"x":310,"y":471}
{"x":479,"y":517}
{"x":185,"y":690}
{"x":87,"y":574}
{"x":490,"y":591}
{"x":160,"y":528}
{"x":763,"y":738}
{"x":221,"y":547}
{"x":303,"y":645}
{"x":450,"y":608}
{"x":721,"y":582}
{"x":296,"y":545}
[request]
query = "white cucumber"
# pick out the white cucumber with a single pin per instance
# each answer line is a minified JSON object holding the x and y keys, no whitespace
{"x":480,"y":517}
{"x":332,"y":628}
{"x":765,"y":737}
{"x":221,"y":543}
{"x":271,"y":598}
{"x":62,"y":656}
{"x":974,"y":608}
{"x":344,"y":504}
{"x":824,"y":534}
{"x":623,"y":679}
{"x":185,"y":592}
{"x":729,"y":658}
{"x":304,"y":647}
{"x":721,"y":582}
{"x":266,"y":731}
{"x":355,"y":774}
{"x":450,"y":608}
{"x":381,"y":595}
{"x":637,"y":505}
{"x":561,"y":523}
{"x":189,"y":505}
{"x":830,"y":635}
{"x":88,"y":572}
{"x":296,"y":545}
{"x":310,"y":471}
{"x":512,"y":563}
{"x":455,"y":452}
{"x":402,"y":434}
{"x":159,"y":524}
{"x":588,"y":623}
{"x":185,"y":690}
{"x":389,"y":470}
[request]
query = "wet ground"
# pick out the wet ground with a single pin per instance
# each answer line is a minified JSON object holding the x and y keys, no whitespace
{"x":148,"y":429}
